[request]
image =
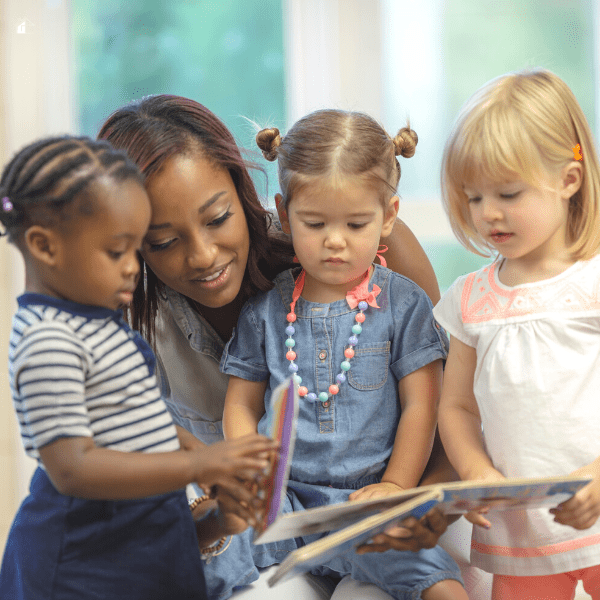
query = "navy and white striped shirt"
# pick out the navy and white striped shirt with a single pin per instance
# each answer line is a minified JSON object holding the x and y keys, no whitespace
{"x":79,"y":370}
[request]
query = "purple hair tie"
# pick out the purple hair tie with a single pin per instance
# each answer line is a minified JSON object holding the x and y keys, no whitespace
{"x":7,"y":205}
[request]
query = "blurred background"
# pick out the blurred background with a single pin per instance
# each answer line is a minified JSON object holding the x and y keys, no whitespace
{"x":65,"y":65}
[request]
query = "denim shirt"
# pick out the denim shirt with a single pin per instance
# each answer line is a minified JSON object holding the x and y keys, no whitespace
{"x":188,"y":351}
{"x":352,"y":438}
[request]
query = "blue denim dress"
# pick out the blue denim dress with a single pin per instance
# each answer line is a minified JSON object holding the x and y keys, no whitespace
{"x":342,"y":445}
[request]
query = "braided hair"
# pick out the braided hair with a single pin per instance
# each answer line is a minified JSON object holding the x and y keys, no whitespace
{"x":48,"y":182}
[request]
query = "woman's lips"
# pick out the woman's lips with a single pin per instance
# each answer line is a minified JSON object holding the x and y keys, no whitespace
{"x":215,"y":279}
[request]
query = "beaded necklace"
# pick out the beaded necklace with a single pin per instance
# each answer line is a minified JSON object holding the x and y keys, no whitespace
{"x":360,"y":297}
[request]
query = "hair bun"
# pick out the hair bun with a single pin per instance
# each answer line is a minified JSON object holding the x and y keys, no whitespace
{"x":405,"y":142}
{"x":268,"y":140}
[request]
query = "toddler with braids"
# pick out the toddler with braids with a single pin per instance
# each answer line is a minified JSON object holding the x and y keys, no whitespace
{"x":107,"y":515}
{"x":360,"y":339}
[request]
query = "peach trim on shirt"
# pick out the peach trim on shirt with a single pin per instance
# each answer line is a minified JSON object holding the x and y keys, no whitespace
{"x":483,"y":300}
{"x":549,"y":550}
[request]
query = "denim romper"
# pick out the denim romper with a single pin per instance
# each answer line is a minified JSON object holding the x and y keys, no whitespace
{"x":345,"y":445}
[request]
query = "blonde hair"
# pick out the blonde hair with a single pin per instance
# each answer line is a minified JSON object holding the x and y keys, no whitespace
{"x":517,"y":125}
{"x":334,"y":145}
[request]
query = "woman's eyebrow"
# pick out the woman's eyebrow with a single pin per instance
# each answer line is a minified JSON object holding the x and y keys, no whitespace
{"x":201,"y":209}
{"x":210,"y":202}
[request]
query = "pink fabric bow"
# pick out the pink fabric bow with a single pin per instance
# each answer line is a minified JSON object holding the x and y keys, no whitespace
{"x":361,"y":292}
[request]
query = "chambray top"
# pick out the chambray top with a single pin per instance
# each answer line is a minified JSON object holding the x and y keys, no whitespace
{"x":188,"y":351}
{"x":352,"y":438}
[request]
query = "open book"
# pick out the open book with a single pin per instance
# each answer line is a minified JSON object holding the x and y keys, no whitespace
{"x":364,"y":519}
{"x":355,"y":522}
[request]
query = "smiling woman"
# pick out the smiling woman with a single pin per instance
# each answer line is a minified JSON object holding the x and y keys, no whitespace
{"x":211,"y":247}
{"x":198,"y":242}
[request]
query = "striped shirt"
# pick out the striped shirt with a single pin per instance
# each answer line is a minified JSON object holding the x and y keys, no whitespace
{"x":80,"y":370}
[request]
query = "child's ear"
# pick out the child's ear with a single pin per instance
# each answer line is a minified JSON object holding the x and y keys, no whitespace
{"x":389,"y":217}
{"x":283,"y":216}
{"x":42,"y":244}
{"x":571,"y":178}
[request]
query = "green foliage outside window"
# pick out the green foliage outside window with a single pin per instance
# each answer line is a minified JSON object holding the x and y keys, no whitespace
{"x":226,"y":54}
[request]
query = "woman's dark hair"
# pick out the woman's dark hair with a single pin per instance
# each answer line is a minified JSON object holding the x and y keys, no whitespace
{"x":158,"y":127}
{"x":50,"y":181}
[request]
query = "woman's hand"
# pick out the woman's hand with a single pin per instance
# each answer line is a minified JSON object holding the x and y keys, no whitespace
{"x":583,"y":509}
{"x":236,"y":515}
{"x":412,"y":534}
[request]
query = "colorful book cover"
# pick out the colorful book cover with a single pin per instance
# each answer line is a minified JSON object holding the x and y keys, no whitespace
{"x":510,"y":494}
{"x":281,"y":426}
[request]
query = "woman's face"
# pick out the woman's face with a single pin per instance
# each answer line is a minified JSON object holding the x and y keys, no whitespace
{"x":198,"y":240}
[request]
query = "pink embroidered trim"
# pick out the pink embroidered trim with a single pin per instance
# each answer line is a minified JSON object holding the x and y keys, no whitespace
{"x":483,"y":300}
{"x":549,"y":550}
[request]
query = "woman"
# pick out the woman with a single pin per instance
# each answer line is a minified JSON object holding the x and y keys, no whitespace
{"x":209,"y":247}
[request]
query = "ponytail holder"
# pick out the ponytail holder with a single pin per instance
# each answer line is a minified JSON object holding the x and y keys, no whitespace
{"x":7,"y":205}
{"x":577,"y":152}
{"x":380,"y":252}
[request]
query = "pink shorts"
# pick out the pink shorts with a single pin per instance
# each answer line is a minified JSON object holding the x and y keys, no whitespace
{"x":548,"y":587}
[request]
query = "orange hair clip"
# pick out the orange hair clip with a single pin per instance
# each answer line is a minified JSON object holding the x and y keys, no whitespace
{"x":577,"y":152}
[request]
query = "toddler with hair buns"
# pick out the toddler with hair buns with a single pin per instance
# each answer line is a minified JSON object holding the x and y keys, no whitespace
{"x":360,"y":340}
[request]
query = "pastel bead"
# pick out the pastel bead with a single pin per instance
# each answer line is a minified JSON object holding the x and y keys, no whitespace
{"x":356,"y":329}
{"x":290,"y":355}
{"x":345,"y":366}
{"x":323,"y":396}
{"x":311,"y":396}
{"x":297,"y":379}
{"x":290,"y":330}
{"x":353,"y":340}
{"x":348,"y":353}
{"x":360,"y":317}
{"x":333,"y":389}
{"x":290,"y":343}
{"x":302,"y":391}
{"x":340,"y":378}
{"x":293,"y":367}
{"x":362,"y":305}
{"x":291,"y":317}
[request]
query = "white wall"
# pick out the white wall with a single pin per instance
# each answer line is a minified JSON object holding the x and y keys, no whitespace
{"x":35,"y":101}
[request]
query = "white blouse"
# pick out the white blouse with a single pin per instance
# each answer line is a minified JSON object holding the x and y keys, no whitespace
{"x":537,"y":386}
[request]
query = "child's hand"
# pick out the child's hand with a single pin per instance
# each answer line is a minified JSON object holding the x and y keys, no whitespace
{"x":229,"y":463}
{"x":583,"y":509}
{"x":376,"y":490}
{"x":476,"y":516}
{"x":413,"y":534}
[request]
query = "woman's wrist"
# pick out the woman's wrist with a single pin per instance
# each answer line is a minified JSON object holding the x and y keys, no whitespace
{"x":209,"y":526}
